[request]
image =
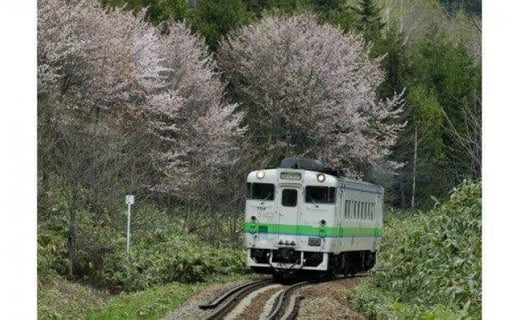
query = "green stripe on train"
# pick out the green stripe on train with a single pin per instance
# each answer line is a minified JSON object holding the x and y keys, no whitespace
{"x":306,"y":230}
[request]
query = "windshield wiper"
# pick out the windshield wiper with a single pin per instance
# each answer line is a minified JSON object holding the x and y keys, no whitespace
{"x":269,"y":195}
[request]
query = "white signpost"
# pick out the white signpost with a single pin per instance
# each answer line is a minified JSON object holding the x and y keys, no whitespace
{"x":129,"y":201}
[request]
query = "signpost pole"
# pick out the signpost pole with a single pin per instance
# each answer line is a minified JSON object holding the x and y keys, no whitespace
{"x":128,"y":231}
{"x":129,"y":201}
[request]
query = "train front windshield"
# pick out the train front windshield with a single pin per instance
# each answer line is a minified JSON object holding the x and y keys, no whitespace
{"x":260,"y":191}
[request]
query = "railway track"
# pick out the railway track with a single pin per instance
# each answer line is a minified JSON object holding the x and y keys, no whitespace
{"x":285,"y":306}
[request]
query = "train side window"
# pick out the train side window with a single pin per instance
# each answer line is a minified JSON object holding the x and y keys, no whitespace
{"x":317,"y":194}
{"x":289,"y":197}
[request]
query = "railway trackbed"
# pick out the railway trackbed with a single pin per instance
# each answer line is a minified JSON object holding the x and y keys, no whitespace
{"x":278,"y":302}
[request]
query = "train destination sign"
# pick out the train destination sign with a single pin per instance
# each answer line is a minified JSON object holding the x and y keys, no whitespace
{"x":291,"y":175}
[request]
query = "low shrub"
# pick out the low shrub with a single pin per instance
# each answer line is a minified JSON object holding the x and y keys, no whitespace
{"x":62,"y":299}
{"x":430,"y":263}
{"x":161,"y":249}
{"x":174,"y":259}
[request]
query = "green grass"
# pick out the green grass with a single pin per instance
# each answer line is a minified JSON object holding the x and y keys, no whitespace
{"x":147,"y":304}
{"x":62,"y":299}
{"x":153,"y":303}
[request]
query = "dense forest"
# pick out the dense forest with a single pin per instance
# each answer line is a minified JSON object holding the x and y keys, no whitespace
{"x":429,"y":54}
{"x":175,"y":101}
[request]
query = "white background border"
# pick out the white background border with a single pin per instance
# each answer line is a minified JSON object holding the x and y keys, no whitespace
{"x":501,"y":227}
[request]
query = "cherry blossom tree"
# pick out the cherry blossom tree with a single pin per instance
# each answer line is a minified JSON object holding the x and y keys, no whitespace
{"x":199,"y":131}
{"x":92,"y":66}
{"x":308,"y":89}
{"x":99,"y":68}
{"x":98,"y":58}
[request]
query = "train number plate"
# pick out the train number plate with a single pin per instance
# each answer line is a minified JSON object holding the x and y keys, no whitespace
{"x":314,"y":242}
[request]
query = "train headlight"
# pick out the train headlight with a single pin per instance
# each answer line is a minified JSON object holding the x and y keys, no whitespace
{"x":260,"y":174}
{"x":320,"y":177}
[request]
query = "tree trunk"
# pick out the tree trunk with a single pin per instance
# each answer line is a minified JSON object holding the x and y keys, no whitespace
{"x":402,"y":193}
{"x":187,"y":211}
{"x":211,"y":207}
{"x":414,"y":167}
{"x":72,"y":231}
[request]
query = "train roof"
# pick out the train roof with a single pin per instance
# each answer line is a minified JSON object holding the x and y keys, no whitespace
{"x":318,"y":166}
{"x":310,"y":164}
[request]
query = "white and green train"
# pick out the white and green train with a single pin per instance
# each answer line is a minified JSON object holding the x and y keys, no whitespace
{"x":303,"y":216}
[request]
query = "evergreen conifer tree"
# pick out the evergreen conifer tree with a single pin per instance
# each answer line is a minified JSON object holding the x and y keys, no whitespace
{"x":369,"y":19}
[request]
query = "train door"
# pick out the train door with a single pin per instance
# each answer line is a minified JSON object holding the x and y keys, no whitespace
{"x":352,"y":215}
{"x":289,"y":216}
{"x":340,"y":220}
{"x":378,"y":217}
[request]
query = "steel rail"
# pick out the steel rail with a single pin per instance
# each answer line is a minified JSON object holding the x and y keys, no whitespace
{"x":292,"y":313}
{"x":283,"y":297}
{"x":236,"y":297}
{"x":214,"y":303}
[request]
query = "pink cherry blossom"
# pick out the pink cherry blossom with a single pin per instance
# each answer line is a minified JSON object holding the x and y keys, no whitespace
{"x":315,"y":91}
